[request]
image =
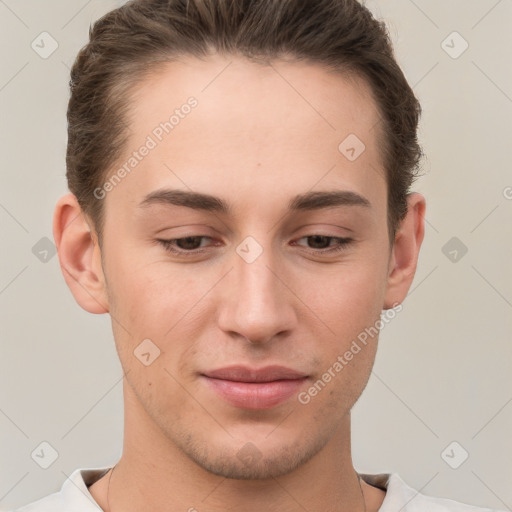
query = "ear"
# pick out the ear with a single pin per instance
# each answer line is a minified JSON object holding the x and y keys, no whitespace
{"x":405,"y":251}
{"x":79,"y":255}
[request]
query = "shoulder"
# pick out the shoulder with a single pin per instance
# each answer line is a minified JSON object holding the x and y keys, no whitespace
{"x":74,"y":495}
{"x":400,"y":496}
{"x":52,"y":502}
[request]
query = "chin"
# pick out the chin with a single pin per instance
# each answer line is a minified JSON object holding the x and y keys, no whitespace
{"x":251,"y":461}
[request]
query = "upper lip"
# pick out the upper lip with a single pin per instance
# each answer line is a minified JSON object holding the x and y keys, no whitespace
{"x":246,"y":374}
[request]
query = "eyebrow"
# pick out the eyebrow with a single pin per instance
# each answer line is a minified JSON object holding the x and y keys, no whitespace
{"x":206,"y":202}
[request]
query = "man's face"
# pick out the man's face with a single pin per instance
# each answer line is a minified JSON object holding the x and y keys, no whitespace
{"x":256,"y":285}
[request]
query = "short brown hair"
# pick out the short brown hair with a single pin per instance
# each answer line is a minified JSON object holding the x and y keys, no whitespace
{"x":129,"y":42}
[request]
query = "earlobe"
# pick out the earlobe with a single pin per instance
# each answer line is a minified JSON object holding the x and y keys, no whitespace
{"x":79,"y":255}
{"x":405,"y":252}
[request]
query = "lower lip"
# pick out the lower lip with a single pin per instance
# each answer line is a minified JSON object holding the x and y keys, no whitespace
{"x":256,"y":395}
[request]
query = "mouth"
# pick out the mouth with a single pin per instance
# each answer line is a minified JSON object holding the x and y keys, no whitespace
{"x":251,"y":388}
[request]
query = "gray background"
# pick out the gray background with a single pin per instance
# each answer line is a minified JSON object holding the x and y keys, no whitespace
{"x":444,"y":367}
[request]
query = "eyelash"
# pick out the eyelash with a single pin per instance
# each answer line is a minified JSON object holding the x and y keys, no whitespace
{"x":169,"y":246}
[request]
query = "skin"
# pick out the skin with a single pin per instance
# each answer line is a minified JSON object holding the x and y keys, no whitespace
{"x":256,"y":142}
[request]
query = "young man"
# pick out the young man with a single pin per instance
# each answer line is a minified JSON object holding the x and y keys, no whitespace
{"x":240,"y":206}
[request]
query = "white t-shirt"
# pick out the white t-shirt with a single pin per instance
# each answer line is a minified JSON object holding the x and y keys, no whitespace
{"x":74,"y":496}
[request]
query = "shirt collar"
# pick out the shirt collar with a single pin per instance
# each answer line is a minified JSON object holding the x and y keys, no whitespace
{"x":75,"y":489}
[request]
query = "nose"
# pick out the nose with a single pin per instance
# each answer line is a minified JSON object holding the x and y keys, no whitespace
{"x":257,"y":304}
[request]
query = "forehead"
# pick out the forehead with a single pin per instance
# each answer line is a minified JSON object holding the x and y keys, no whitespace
{"x":254,"y":130}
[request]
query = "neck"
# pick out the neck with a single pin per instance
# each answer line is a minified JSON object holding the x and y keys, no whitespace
{"x":153,"y":473}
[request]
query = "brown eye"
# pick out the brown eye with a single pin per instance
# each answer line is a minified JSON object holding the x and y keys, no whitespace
{"x":322,"y":243}
{"x":186,"y":246}
{"x":189,"y":243}
{"x":319,"y":241}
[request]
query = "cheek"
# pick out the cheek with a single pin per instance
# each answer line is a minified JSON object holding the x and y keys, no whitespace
{"x":151,"y":295}
{"x":348,"y":299}
{"x":157,"y":303}
{"x":349,"y":305}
